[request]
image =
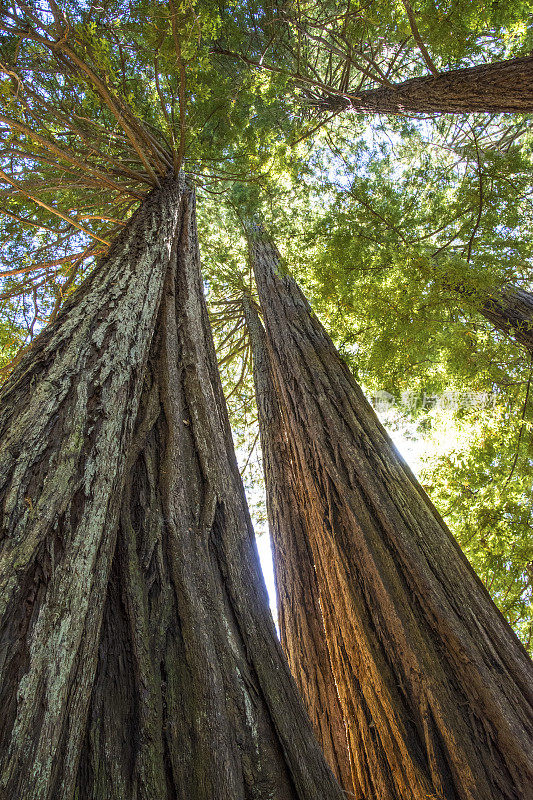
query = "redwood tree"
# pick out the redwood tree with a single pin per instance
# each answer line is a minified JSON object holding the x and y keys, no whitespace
{"x":300,"y":621}
{"x":139,"y":658}
{"x":434,"y":685}
{"x":388,"y":58}
{"x":511,"y":311}
{"x":502,"y":87}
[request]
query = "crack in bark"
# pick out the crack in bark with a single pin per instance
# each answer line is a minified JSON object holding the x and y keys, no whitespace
{"x":434,"y":685}
{"x":139,"y":667}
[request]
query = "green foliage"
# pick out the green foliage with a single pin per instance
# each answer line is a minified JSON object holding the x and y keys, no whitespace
{"x":482,"y":485}
{"x":380,"y":220}
{"x":329,"y":51}
{"x":358,"y":220}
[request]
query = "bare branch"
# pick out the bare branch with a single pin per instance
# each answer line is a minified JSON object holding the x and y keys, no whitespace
{"x":418,"y":39}
{"x":52,"y":210}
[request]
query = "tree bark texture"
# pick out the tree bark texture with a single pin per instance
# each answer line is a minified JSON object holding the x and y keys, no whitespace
{"x":435,"y":687}
{"x":499,"y":87}
{"x":300,"y":620}
{"x":511,"y":311}
{"x":138,"y":658}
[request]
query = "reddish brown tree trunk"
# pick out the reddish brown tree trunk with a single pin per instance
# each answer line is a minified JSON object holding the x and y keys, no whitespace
{"x":435,"y":687}
{"x":138,"y":659}
{"x":499,"y":87}
{"x":301,"y":625}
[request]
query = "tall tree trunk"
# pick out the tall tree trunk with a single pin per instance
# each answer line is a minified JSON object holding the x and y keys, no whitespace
{"x":511,"y":311}
{"x":138,"y":658}
{"x":498,"y":87}
{"x":301,"y":625}
{"x":434,"y":685}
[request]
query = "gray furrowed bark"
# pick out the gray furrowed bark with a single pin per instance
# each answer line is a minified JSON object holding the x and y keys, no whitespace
{"x":138,"y":658}
{"x":66,"y":422}
{"x":498,"y":87}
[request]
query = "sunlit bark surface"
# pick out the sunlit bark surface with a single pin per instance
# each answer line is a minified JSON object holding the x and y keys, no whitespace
{"x":300,"y":620}
{"x":138,"y":658}
{"x":434,"y":685}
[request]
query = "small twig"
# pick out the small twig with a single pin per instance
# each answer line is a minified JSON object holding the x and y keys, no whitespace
{"x":52,"y":210}
{"x":243,"y":470}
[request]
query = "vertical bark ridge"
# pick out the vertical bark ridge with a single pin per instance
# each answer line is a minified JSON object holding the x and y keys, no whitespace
{"x":301,"y":624}
{"x":138,"y":653}
{"x":277,"y":757}
{"x":434,"y":685}
{"x":66,"y":423}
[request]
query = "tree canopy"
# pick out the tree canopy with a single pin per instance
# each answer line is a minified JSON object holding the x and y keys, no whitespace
{"x":399,"y":225}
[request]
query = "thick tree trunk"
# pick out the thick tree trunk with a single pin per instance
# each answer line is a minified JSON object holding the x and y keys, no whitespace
{"x":435,"y":687}
{"x":138,"y":658}
{"x":301,"y":625}
{"x":511,"y":311}
{"x":499,"y":87}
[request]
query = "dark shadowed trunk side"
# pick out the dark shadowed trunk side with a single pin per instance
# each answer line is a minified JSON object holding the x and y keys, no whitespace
{"x":138,"y":658}
{"x":300,"y":617}
{"x":499,"y":87}
{"x":434,"y":685}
